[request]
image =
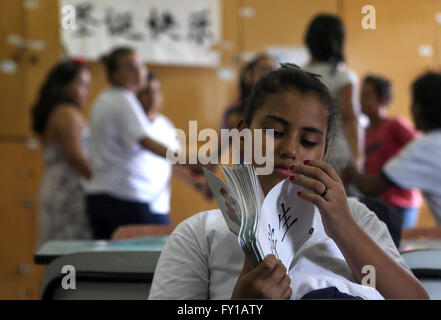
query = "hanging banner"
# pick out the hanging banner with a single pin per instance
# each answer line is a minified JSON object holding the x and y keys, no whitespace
{"x":178,"y":32}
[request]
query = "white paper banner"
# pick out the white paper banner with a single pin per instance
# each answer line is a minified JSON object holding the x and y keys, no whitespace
{"x":179,"y":32}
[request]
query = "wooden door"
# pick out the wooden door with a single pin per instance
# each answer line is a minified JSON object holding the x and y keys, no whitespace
{"x":29,"y":48}
{"x":19,"y":169}
{"x":12,"y":73}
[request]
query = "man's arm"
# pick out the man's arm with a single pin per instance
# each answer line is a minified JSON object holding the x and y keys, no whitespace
{"x":153,"y":146}
{"x":370,"y":186}
{"x":161,"y":150}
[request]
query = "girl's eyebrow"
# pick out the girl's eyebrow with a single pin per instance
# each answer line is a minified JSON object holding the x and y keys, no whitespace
{"x":314,"y":130}
{"x":286,"y":122}
{"x":278,"y":119}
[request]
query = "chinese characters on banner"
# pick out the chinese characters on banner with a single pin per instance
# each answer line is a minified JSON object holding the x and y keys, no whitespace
{"x":179,"y":32}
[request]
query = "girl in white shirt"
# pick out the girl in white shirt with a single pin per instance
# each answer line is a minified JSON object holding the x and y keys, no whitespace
{"x":202,"y":259}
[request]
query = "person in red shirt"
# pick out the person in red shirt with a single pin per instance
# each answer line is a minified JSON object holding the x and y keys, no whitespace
{"x":384,"y":138}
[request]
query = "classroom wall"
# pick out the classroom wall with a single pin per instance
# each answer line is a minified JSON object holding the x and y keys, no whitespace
{"x":189,"y":93}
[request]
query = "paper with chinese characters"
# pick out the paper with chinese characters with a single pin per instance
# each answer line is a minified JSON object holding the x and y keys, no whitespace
{"x":178,"y":32}
{"x":286,"y":222}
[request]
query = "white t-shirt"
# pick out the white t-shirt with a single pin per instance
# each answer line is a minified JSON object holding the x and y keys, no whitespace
{"x":118,"y":162}
{"x":158,"y":170}
{"x":202,"y":259}
{"x":418,"y":165}
{"x":339,"y":152}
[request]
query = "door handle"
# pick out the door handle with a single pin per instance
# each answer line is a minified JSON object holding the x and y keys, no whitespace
{"x":24,"y":44}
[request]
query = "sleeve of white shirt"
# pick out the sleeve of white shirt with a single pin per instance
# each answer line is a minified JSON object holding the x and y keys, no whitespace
{"x":182,"y":271}
{"x":169,"y":133}
{"x":133,"y":121}
{"x":376,"y":230}
{"x":411,"y":168}
{"x":347,"y":77}
{"x":176,"y":143}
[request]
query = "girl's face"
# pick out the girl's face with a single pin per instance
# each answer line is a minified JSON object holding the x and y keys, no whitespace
{"x":131,"y":72}
{"x":78,"y":88}
{"x":300,"y":124}
{"x":370,"y":103}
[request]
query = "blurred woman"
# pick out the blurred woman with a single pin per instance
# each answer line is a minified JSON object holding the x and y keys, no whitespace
{"x":325,"y":41}
{"x":58,"y":121}
{"x":250,"y":73}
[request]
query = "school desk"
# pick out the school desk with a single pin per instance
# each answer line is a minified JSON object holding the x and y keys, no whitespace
{"x":101,"y":270}
{"x":414,"y":244}
{"x":423,"y":257}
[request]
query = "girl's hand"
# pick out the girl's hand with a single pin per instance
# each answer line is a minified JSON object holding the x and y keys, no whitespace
{"x":266,"y":281}
{"x":327,"y":194}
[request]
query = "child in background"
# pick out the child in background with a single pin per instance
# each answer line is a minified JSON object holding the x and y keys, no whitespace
{"x":385,"y":137}
{"x":418,"y":165}
{"x":203,"y":260}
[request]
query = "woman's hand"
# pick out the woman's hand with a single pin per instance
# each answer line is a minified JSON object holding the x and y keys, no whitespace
{"x":327,"y":194}
{"x":268,"y":280}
